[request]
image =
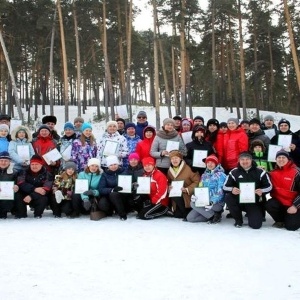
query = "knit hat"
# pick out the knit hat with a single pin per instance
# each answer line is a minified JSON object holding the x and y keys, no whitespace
{"x":69,"y":125}
{"x":36,"y":159}
{"x":284,"y":121}
{"x":133,"y":155}
{"x":4,"y":155}
{"x":112,"y":160}
{"x":128,"y":125}
{"x":177,"y":118}
{"x":245,"y":154}
{"x":213,"y":122}
{"x":254,"y":121}
{"x":212,"y":158}
{"x":168,"y":121}
{"x":175,"y":153}
{"x":79,"y":119}
{"x":4,"y":127}
{"x":121,"y":120}
{"x":223,"y":124}
{"x":244,"y":122}
{"x":257,"y":142}
{"x":85,"y":126}
{"x":199,"y":118}
{"x":283,"y":153}
{"x":142,"y":114}
{"x":268,"y":117}
{"x":110,"y":123}
{"x":94,"y":161}
{"x":235,"y":120}
{"x":47,"y":119}
{"x":148,"y":161}
{"x":70,"y":165}
{"x":5,"y":117}
{"x":44,"y":127}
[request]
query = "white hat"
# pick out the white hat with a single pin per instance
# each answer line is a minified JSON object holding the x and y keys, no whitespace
{"x":94,"y":161}
{"x":111,"y":160}
{"x":111,"y":123}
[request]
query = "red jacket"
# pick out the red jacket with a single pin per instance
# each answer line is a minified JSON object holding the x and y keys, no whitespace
{"x":286,"y":184}
{"x":143,"y":147}
{"x":234,"y":142}
{"x":158,"y":188}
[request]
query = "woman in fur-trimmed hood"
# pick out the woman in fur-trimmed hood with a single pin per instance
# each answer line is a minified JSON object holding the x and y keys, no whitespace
{"x":20,"y":136}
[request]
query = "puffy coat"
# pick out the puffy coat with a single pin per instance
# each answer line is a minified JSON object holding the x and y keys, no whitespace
{"x":109,"y":180}
{"x":143,"y":147}
{"x":131,"y":144}
{"x":93,"y":183}
{"x":64,"y":143}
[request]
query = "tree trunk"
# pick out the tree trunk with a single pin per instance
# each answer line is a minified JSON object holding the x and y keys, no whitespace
{"x":182,"y":59}
{"x":51,"y":65}
{"x":213,"y":59}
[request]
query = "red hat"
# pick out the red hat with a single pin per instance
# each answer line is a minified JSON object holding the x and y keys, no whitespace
{"x":133,"y":155}
{"x":36,"y":159}
{"x":148,"y":161}
{"x":212,"y":158}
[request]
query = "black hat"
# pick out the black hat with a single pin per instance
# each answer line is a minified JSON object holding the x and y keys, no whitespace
{"x":223,"y":124}
{"x":199,"y":118}
{"x":284,"y":121}
{"x":4,"y":155}
{"x":121,"y":120}
{"x":5,"y":117}
{"x":47,"y":119}
{"x":213,"y":122}
{"x":177,"y":118}
{"x":254,"y":121}
{"x":244,"y":122}
{"x":283,"y":153}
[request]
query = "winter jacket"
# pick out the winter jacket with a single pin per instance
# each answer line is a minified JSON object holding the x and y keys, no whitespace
{"x":191,"y":180}
{"x":261,"y":160}
{"x":143,"y":147}
{"x":254,"y":174}
{"x":82,"y":153}
{"x":109,"y":180}
{"x":3,"y":144}
{"x":214,"y":180}
{"x":286,"y":184}
{"x":122,"y":149}
{"x":54,"y":134}
{"x":13,"y":147}
{"x":135,"y":172}
{"x":259,"y":135}
{"x":93,"y":183}
{"x":65,"y":184}
{"x":131,"y":144}
{"x":8,"y":174}
{"x":160,"y":143}
{"x":140,"y":129}
{"x":64,"y":143}
{"x":29,"y":180}
{"x":234,"y":142}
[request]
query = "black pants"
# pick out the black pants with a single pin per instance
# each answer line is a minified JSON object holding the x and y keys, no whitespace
{"x":38,"y":203}
{"x":105,"y":206}
{"x":150,"y":211}
{"x":8,"y":205}
{"x":180,"y":210}
{"x":58,"y":208}
{"x":119,"y":202}
{"x":254,"y":211}
{"x":279,"y":213}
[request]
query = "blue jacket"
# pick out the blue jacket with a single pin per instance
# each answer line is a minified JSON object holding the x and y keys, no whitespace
{"x":109,"y":180}
{"x":93,"y":180}
{"x":3,"y":144}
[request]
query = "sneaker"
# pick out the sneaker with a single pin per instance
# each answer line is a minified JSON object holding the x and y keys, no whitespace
{"x":58,"y":196}
{"x":123,"y":218}
{"x":278,"y":225}
{"x":238,"y":224}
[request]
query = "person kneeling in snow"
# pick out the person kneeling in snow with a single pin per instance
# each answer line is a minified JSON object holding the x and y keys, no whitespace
{"x":156,"y":203}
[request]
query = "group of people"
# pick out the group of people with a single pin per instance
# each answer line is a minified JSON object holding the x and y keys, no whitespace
{"x":186,"y":169}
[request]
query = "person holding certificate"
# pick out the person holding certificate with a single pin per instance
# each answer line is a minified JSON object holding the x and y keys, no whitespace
{"x":154,"y":204}
{"x":86,"y":189}
{"x":164,"y":137}
{"x":180,"y":171}
{"x":213,"y":178}
{"x":245,"y":187}
{"x":20,"y":148}
{"x":84,"y":147}
{"x":8,"y":187}
{"x":35,"y":186}
{"x":284,"y":204}
{"x":284,"y":134}
{"x":110,"y":188}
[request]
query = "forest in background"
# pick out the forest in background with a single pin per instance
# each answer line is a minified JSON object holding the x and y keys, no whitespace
{"x":237,"y":53}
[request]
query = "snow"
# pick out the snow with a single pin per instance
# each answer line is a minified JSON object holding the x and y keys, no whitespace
{"x":158,"y":259}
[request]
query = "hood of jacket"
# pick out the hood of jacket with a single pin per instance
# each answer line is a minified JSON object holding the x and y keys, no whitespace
{"x":18,"y":128}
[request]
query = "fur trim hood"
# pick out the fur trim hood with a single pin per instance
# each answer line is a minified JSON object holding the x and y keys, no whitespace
{"x":17,"y":129}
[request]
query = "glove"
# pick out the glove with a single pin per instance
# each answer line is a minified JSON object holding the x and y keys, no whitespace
{"x":87,"y":205}
{"x":89,"y":193}
{"x":135,"y":185}
{"x":117,"y":189}
{"x":194,"y":198}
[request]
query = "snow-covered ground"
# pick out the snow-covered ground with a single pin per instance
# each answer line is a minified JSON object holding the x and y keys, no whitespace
{"x":158,"y":259}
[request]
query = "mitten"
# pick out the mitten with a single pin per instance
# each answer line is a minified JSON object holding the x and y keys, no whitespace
{"x":89,"y":193}
{"x":117,"y":189}
{"x":58,"y":196}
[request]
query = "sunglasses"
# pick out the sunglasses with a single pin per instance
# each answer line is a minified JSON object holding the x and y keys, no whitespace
{"x":141,"y":117}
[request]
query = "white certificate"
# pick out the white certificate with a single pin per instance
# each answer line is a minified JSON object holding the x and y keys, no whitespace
{"x":7,"y":190}
{"x":273,"y":149}
{"x":144,"y":185}
{"x":110,"y":148}
{"x":285,"y":141}
{"x":14,"y":124}
{"x":66,"y":154}
{"x":81,"y":186}
{"x":121,"y":111}
{"x":198,"y":157}
{"x":202,"y":194}
{"x":186,"y":137}
{"x":23,"y":152}
{"x":52,"y":156}
{"x":269,"y":132}
{"x":172,"y":145}
{"x":125,"y":181}
{"x":176,"y":191}
{"x":247,"y":192}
